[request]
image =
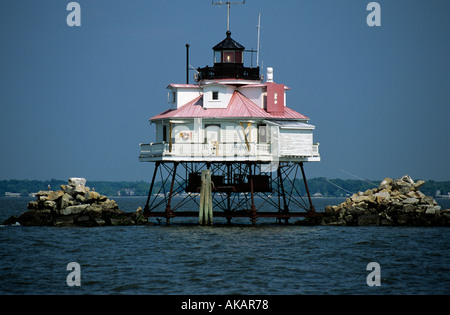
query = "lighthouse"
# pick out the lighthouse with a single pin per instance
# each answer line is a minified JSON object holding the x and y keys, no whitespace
{"x":236,"y":123}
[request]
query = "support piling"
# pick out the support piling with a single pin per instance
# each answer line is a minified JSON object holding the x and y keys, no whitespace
{"x":205,"y":209}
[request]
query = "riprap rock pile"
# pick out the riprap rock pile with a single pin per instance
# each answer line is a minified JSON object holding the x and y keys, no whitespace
{"x":76,"y":205}
{"x":394,"y":202}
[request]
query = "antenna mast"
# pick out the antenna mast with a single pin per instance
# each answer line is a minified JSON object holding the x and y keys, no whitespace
{"x":259,"y":30}
{"x":228,"y":3}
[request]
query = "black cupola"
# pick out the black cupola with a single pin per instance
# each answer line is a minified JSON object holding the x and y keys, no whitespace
{"x":228,"y":51}
{"x":228,"y":63}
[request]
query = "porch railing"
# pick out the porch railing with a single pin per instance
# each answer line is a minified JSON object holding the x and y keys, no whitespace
{"x":204,"y":149}
{"x":210,"y":149}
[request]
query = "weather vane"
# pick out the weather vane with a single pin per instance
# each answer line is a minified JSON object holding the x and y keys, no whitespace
{"x":228,"y":4}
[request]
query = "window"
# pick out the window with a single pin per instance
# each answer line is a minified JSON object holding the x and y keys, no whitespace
{"x":215,"y":95}
{"x":232,"y":56}
{"x":164,"y":133}
{"x":262,"y":133}
{"x":217,"y":56}
{"x":238,"y":57}
{"x":172,"y":97}
{"x":212,"y":132}
{"x":228,"y":56}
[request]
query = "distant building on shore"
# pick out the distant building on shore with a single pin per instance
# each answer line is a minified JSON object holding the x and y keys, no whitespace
{"x":438,"y":194}
{"x":10,"y":194}
{"x":126,"y":192}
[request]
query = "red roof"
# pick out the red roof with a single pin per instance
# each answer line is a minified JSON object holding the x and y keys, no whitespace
{"x":177,"y":85}
{"x":238,"y":107}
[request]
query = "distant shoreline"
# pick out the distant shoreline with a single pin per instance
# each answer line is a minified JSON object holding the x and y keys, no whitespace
{"x":320,"y":187}
{"x":143,"y":196}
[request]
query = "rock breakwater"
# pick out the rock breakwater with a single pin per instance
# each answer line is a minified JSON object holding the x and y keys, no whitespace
{"x":75,"y":205}
{"x":396,"y":202}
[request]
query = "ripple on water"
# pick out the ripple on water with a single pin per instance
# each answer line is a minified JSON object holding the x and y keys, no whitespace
{"x":188,"y":259}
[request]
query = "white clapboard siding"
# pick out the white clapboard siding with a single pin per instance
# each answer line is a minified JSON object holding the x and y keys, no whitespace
{"x":295,"y":142}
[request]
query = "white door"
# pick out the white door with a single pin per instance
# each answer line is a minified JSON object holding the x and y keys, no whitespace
{"x":212,"y":133}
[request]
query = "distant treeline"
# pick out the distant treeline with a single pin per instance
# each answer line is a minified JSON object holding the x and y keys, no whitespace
{"x":26,"y":187}
{"x":320,"y":186}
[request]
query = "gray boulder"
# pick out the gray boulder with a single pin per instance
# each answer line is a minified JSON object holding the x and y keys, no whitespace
{"x":77,"y":181}
{"x":394,"y":202}
{"x":73,"y":210}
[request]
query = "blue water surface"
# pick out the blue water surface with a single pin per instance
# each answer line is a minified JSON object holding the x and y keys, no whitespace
{"x":185,"y":258}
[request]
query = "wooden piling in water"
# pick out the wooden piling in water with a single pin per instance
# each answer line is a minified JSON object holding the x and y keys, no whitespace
{"x":205,"y":215}
{"x":202,"y":200}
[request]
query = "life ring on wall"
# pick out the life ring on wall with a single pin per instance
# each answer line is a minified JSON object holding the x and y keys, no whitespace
{"x":186,"y":135}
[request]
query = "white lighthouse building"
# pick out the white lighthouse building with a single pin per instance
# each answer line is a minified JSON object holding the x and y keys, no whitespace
{"x":239,"y":125}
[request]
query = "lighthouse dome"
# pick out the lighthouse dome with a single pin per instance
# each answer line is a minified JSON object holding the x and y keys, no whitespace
{"x":228,"y":63}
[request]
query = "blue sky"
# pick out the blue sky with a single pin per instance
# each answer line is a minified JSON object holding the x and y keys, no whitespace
{"x":75,"y":101}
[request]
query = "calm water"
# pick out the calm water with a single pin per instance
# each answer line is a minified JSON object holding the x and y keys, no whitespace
{"x":238,"y":259}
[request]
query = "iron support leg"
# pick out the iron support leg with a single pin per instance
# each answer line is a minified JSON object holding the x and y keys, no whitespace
{"x":253,"y":208}
{"x":146,"y":208}
{"x":283,"y":194}
{"x":311,"y":206}
{"x":169,"y":212}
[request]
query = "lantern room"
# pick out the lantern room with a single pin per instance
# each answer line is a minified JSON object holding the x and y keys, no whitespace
{"x":228,"y":63}
{"x":228,"y":51}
